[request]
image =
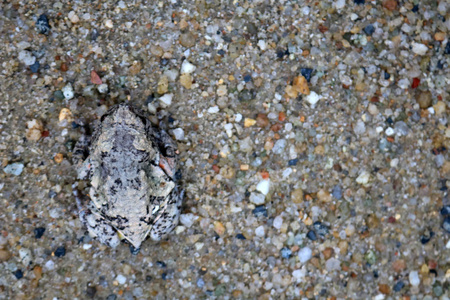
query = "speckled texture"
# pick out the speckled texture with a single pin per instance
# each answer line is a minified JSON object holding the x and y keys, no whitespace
{"x":313,"y":142}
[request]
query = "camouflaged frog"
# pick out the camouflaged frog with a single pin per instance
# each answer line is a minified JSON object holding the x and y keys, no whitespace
{"x":131,"y":169}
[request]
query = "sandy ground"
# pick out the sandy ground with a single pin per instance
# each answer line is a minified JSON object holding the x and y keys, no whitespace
{"x":314,"y":143}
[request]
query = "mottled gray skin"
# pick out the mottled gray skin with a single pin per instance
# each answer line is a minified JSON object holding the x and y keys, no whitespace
{"x":131,"y":168}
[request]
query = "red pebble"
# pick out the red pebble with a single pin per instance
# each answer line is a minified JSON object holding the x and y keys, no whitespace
{"x":415,"y":83}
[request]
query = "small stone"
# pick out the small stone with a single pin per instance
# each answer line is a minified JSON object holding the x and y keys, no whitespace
{"x":213,"y":109}
{"x":257,"y":198}
{"x":389,"y":131}
{"x":424,"y":99}
{"x":259,"y":231}
{"x":398,"y":286}
{"x":121,"y":279}
{"x":60,"y":251}
{"x":390,"y":4}
{"x":102,"y":88}
{"x":135,"y":68}
{"x":363,"y":178}
{"x":34,"y":68}
{"x":278,"y":222}
{"x":337,"y":192}
{"x":179,"y":134}
{"x":200,"y":283}
{"x":4,"y":255}
{"x":369,"y":29}
{"x":39,"y":232}
{"x":221,"y":90}
{"x":418,"y":48}
{"x":313,"y":98}
{"x":304,"y":254}
{"x":439,"y":108}
{"x":186,"y":81}
{"x":300,"y":84}
{"x":439,"y":36}
{"x":297,"y":196}
{"x":14,"y":169}
{"x":27,"y":57}
{"x":65,"y":114}
{"x":327,"y":253}
{"x":187,"y":67}
{"x":188,"y":219}
{"x":285,"y":252}
{"x":384,"y":289}
{"x":166,"y":100}
{"x":42,"y":25}
{"x":59,"y":158}
{"x":187,"y":39}
{"x":219,"y":228}
{"x":95,"y":79}
{"x":73,"y":17}
{"x":249,"y":122}
{"x":311,"y":235}
{"x":279,"y":146}
{"x":18,"y":274}
{"x":323,"y":196}
{"x":260,"y":211}
{"x":68,"y":92}
{"x":333,"y":264}
{"x":109,"y":23}
{"x":414,"y":279}
{"x":262,"y":45}
{"x":263,"y":186}
{"x":446,"y":224}
{"x":262,"y":120}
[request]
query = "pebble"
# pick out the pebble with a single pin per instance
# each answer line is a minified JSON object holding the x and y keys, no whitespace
{"x":263,"y":186}
{"x":221,"y":90}
{"x":259,"y":231}
{"x":278,"y":222}
{"x":337,"y":192}
{"x":18,"y":274}
{"x":27,"y":57}
{"x":68,"y":91}
{"x":257,"y":198}
{"x":299,"y":275}
{"x":179,"y":134}
{"x":200,"y":283}
{"x":424,"y":99}
{"x":446,"y":224}
{"x":60,"y":251}
{"x":398,"y":286}
{"x":188,"y":219}
{"x":419,"y":49}
{"x":187,"y":67}
{"x":14,"y":169}
{"x":73,"y":17}
{"x":279,"y":146}
{"x":213,"y":109}
{"x":121,"y":279}
{"x":311,"y":235}
{"x":313,"y":98}
{"x":34,"y":68}
{"x":95,"y":79}
{"x":187,"y":39}
{"x":304,"y":254}
{"x":219,"y":228}
{"x":333,"y":264}
{"x":363,"y":178}
{"x":109,"y":23}
{"x":414,"y":279}
{"x":285,"y":252}
{"x":42,"y":25}
{"x":166,"y":100}
{"x":260,"y":211}
{"x":339,"y":4}
{"x":102,"y":88}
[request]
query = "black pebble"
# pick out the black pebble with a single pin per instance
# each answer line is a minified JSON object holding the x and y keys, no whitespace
{"x":52,"y":194}
{"x":39,"y":232}
{"x":307,"y":73}
{"x":111,"y":297}
{"x":161,"y":264}
{"x":389,"y":121}
{"x":240,"y":236}
{"x":42,"y":25}
{"x":311,"y":235}
{"x":280,"y":53}
{"x":369,"y":29}
{"x":150,"y":99}
{"x":424,"y":239}
{"x":447,"y":48}
{"x":133,"y":250}
{"x":164,"y":276}
{"x":260,"y":211}
{"x":415,"y":8}
{"x":360,"y":2}
{"x":221,"y":52}
{"x":34,"y":68}
{"x":18,"y":274}
{"x":320,"y":228}
{"x":387,"y":75}
{"x":247,"y":78}
{"x":148,"y":278}
{"x":60,"y":251}
{"x":445,"y":211}
{"x":446,"y":224}
{"x":94,"y":34}
{"x":293,"y":162}
{"x":398,"y":286}
{"x":90,"y":291}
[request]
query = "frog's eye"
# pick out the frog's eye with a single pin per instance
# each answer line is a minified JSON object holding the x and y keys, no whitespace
{"x":155,"y":209}
{"x":169,"y":151}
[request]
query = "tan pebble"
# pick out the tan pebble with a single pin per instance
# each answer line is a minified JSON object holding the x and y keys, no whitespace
{"x":399,"y":265}
{"x":439,"y":36}
{"x":424,"y":269}
{"x":390,"y":4}
{"x":323,"y":196}
{"x":268,"y":145}
{"x":58,"y":158}
{"x":439,"y":108}
{"x":109,"y":23}
{"x":186,"y":81}
{"x":187,"y":39}
{"x":4,"y":255}
{"x":291,"y":92}
{"x":262,"y":120}
{"x":65,"y":114}
{"x":343,"y":247}
{"x":135,"y":68}
{"x":237,"y":293}
{"x":35,"y":128}
{"x":249,"y":122}
{"x":319,"y":150}
{"x":373,"y":109}
{"x":300,"y":84}
{"x":297,"y":196}
{"x":328,"y":253}
{"x":221,"y":90}
{"x":308,"y":221}
{"x":360,"y":87}
{"x":163,"y":85}
{"x":384,"y":288}
{"x":219,"y":228}
{"x":244,"y":167}
{"x":183,"y":24}
{"x":424,"y":99}
{"x":156,"y":50}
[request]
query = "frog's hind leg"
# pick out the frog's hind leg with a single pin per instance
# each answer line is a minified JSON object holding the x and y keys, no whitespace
{"x":168,"y":219}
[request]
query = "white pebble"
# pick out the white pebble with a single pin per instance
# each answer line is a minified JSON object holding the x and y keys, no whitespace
{"x":188,"y":219}
{"x":414,"y":278}
{"x":389,"y":131}
{"x":213,"y":109}
{"x":394,"y":163}
{"x":121,"y":279}
{"x":279,"y":146}
{"x":50,"y":265}
{"x":262,"y":45}
{"x":68,"y":92}
{"x":313,"y":98}
{"x":179,"y":134}
{"x":260,"y":231}
{"x":299,"y":275}
{"x":73,"y":17}
{"x":263,"y":186}
{"x":166,"y":100}
{"x":360,"y":127}
{"x":187,"y":67}
{"x":333,"y":264}
{"x":278,"y":222}
{"x":25,"y":256}
{"x":257,"y":198}
{"x":287,"y":172}
{"x":109,"y":23}
{"x":237,"y":118}
{"x":340,"y":4}
{"x":363,"y":178}
{"x":419,"y":49}
{"x":304,"y":254}
{"x":26,"y":57}
{"x":87,"y":246}
{"x":404,"y":83}
{"x":102,"y":88}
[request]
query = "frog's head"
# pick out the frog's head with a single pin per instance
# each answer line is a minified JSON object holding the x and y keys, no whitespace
{"x":169,"y":154}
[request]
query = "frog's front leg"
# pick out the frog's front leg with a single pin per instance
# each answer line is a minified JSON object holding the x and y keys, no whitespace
{"x":167,"y":217}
